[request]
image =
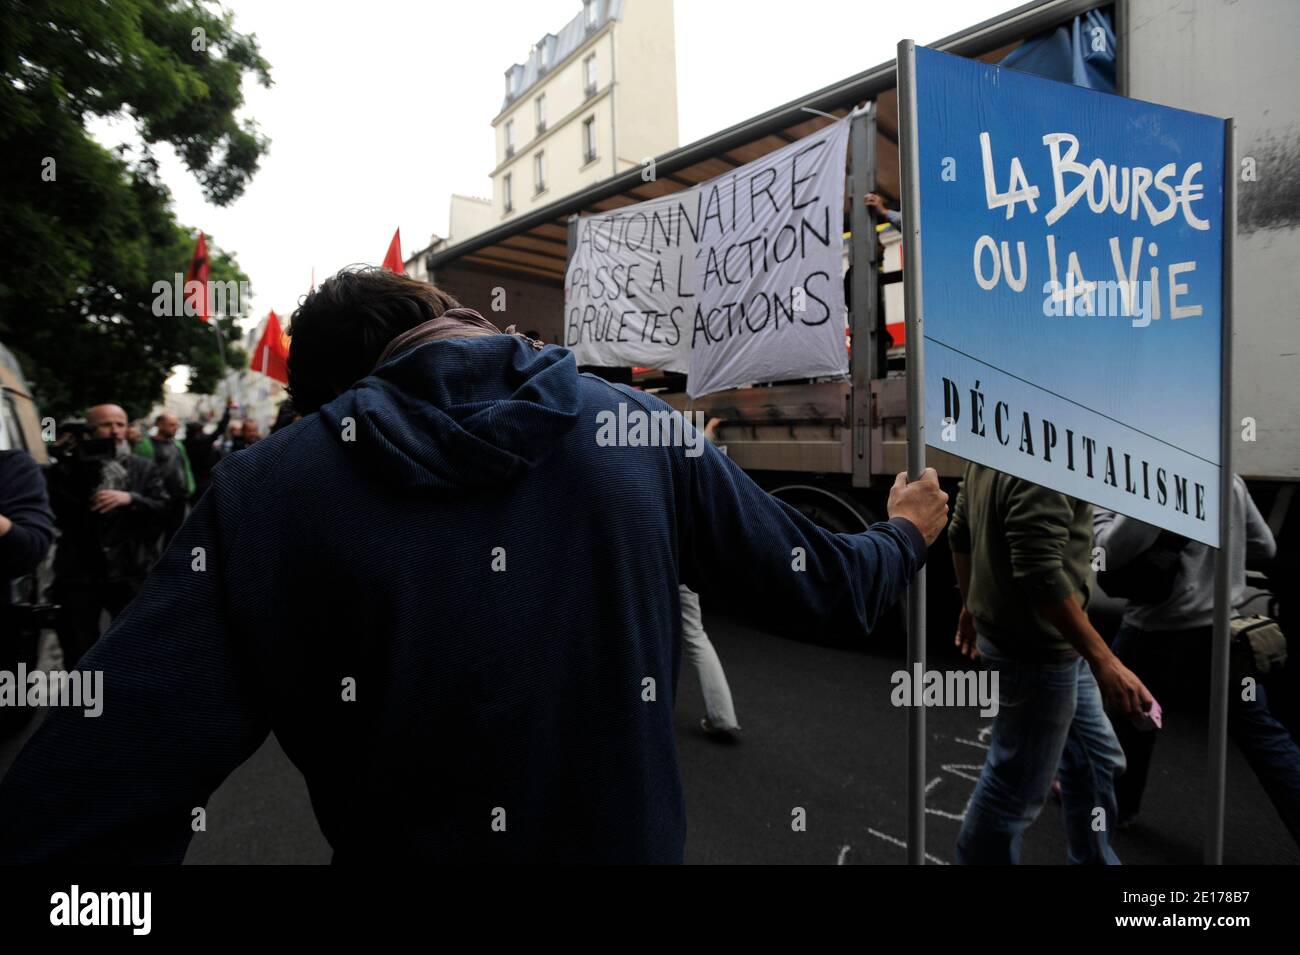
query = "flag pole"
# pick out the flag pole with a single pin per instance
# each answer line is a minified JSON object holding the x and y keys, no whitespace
{"x":221,"y":349}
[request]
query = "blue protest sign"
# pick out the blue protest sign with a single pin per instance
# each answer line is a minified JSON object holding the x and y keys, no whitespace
{"x":1072,"y":288}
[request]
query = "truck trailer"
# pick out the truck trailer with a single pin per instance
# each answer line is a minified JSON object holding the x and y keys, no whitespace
{"x":831,"y":448}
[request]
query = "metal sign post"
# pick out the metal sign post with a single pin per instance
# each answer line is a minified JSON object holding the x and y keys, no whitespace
{"x":863,"y":282}
{"x":1219,"y":688}
{"x":910,"y":170}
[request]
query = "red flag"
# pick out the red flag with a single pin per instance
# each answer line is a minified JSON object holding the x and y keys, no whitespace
{"x":271,"y":356}
{"x":393,"y":260}
{"x":198,"y":272}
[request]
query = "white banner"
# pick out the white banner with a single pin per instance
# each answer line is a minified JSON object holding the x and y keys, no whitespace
{"x":735,"y":280}
{"x":630,"y":283}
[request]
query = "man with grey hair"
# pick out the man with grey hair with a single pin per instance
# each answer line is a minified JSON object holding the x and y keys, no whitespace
{"x":110,"y":507}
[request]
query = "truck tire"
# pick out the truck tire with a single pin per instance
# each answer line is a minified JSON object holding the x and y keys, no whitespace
{"x":840,"y":513}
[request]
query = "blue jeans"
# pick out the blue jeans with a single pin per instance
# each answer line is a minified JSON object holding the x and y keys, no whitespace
{"x":1049,"y":715}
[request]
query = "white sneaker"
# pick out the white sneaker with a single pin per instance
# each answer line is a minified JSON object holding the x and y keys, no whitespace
{"x":715,"y":731}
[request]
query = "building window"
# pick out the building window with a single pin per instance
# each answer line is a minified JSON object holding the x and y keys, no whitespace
{"x":510,"y":138}
{"x":589,"y":140}
{"x":545,"y":53}
{"x":539,"y":172}
{"x":589,"y":74}
{"x":508,"y":191}
{"x":589,"y":13}
{"x":539,"y":106}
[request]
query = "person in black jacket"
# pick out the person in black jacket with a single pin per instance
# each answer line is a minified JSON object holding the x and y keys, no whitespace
{"x":110,"y":506}
{"x":204,"y":449}
{"x":26,"y":532}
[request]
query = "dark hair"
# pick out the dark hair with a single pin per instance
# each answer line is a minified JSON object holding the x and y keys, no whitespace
{"x":339,"y":330}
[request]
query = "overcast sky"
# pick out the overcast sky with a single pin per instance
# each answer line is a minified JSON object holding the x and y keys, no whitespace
{"x":382,"y":109}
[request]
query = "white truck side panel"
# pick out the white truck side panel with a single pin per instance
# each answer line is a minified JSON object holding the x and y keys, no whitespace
{"x":1239,"y":59}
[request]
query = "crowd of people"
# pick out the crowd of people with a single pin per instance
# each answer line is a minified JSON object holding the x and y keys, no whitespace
{"x":1078,"y":715}
{"x":116,"y":492}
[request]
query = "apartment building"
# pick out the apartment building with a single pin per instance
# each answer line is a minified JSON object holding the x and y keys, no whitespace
{"x":590,"y":101}
{"x":467,"y":216}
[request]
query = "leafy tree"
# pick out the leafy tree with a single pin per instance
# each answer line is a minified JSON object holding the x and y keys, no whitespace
{"x":85,"y":231}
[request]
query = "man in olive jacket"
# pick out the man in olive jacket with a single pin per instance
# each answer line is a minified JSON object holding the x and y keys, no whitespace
{"x":1021,"y":553}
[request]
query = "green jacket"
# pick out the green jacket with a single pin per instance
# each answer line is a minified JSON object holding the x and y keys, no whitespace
{"x":145,"y":449}
{"x":1027,"y":544}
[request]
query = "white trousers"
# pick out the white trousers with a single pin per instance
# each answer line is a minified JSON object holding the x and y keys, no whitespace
{"x":699,"y":651}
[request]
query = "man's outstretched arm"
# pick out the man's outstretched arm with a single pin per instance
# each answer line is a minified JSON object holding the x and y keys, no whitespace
{"x":26,"y":521}
{"x":777,"y":568}
{"x":177,"y":714}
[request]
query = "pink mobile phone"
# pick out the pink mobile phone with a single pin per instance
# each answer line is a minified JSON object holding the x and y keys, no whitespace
{"x":1151,"y":719}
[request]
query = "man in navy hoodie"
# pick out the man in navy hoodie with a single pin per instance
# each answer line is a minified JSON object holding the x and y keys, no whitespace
{"x":455,"y":607}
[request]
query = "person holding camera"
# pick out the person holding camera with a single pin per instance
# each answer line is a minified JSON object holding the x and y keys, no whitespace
{"x":110,"y":506}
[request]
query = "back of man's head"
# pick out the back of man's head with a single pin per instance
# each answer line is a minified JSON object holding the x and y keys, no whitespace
{"x":340,"y":329}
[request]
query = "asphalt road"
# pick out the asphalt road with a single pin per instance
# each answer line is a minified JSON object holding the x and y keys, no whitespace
{"x":819,"y":734}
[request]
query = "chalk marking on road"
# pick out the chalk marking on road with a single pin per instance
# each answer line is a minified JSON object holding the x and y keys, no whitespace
{"x":844,"y":850}
{"x":969,"y":742}
{"x":899,"y":842}
{"x":881,"y":835}
{"x":946,"y":815}
{"x":985,"y":733}
{"x":932,"y":783}
{"x":956,"y":770}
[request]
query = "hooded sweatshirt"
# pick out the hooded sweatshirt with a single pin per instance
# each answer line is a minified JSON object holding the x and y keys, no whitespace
{"x":456,"y":605}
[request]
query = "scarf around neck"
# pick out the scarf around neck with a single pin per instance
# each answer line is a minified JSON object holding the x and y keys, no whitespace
{"x":457,"y":322}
